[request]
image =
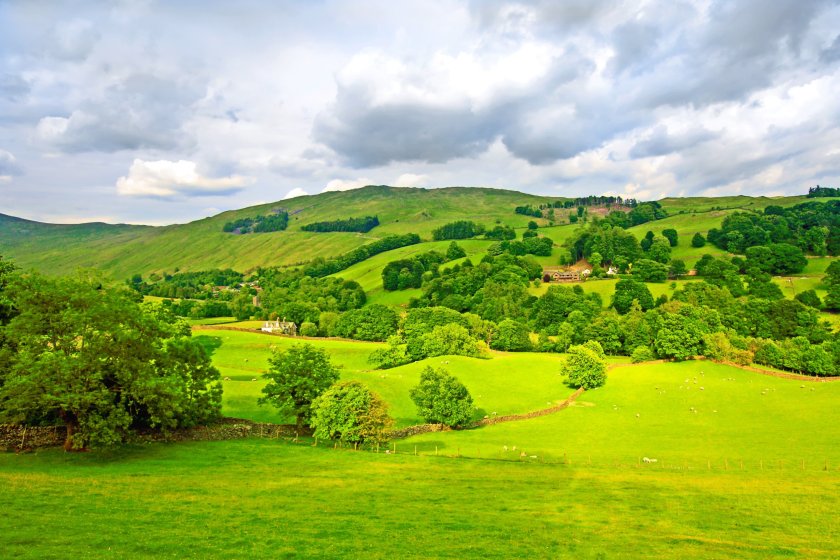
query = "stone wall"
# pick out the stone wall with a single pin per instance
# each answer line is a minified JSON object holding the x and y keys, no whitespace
{"x":23,"y":438}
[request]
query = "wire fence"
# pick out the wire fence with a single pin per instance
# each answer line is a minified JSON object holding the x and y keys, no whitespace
{"x":514,"y":455}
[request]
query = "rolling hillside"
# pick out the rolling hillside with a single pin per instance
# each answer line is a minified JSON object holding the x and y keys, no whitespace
{"x":123,"y":250}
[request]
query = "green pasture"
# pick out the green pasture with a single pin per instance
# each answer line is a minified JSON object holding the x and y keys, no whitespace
{"x":505,"y":383}
{"x":368,"y":273}
{"x":690,"y":414}
{"x":273,"y":499}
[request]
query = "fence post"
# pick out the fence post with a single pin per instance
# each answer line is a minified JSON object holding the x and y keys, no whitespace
{"x":415,"y":450}
{"x":435,"y":450}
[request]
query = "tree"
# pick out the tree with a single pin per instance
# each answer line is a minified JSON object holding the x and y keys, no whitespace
{"x":374,"y":322}
{"x":698,"y":241}
{"x":296,"y":377}
{"x":585,"y":365}
{"x":93,"y":358}
{"x":650,"y":271}
{"x":512,"y":336}
{"x":660,"y":250}
{"x":809,"y":298}
{"x":532,"y":225}
{"x":442,"y":399}
{"x":352,"y":413}
{"x":671,"y":235}
{"x":677,"y":268}
{"x":628,"y":290}
{"x":455,"y":251}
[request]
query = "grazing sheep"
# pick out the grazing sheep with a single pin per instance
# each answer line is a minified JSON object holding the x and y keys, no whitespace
{"x":227,"y":378}
{"x":645,"y":460}
{"x":702,"y":389}
{"x":637,"y":415}
{"x":523,"y":454}
{"x":253,"y":379}
{"x":505,"y":447}
{"x":513,"y":448}
{"x":486,"y":417}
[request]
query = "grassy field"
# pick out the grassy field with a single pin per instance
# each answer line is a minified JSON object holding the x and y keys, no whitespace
{"x":726,"y":415}
{"x":264,"y":498}
{"x":506,"y":383}
{"x":754,"y":473}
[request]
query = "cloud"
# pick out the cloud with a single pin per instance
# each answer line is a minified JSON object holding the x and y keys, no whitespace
{"x":412,"y":180}
{"x":832,"y":53}
{"x":661,"y":142}
{"x":8,"y":166}
{"x":294,"y":193}
{"x":167,"y":179}
{"x":347,"y":185}
{"x":74,"y":39}
{"x":138,"y":111}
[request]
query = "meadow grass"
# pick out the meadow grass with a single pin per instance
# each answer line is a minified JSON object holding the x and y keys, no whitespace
{"x":506,"y":383}
{"x":660,"y":411}
{"x":270,"y":498}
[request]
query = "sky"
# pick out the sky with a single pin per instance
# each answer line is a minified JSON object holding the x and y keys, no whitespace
{"x":165,"y":112}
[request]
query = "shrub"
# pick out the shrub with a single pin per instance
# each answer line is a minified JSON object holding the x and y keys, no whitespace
{"x":442,"y":399}
{"x":585,"y":365}
{"x":642,"y":354}
{"x":352,"y":413}
{"x":308,"y":329}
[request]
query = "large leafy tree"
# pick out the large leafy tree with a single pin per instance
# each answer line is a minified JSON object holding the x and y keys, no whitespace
{"x":585,"y":365}
{"x":297,"y":377}
{"x":350,"y":412}
{"x":442,"y":399}
{"x":100,"y":363}
{"x":628,"y":290}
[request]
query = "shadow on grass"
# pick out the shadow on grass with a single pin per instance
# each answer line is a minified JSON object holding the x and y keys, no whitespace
{"x":210,"y":343}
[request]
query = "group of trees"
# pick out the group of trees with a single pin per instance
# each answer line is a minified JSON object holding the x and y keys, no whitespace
{"x":202,"y":284}
{"x":361,"y":225}
{"x":462,"y":229}
{"x":813,"y":227}
{"x":324,"y":267}
{"x":529,"y":210}
{"x":90,"y":357}
{"x":818,"y":191}
{"x":276,"y":221}
{"x":410,"y":273}
{"x":303,"y":382}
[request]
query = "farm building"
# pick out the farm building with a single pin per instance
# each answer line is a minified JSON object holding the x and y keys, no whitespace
{"x":280,"y":327}
{"x":558,"y":274}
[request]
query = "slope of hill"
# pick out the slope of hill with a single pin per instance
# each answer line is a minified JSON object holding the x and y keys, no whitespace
{"x":123,"y":250}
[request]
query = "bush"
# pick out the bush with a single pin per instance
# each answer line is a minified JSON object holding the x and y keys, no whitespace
{"x":442,"y":399}
{"x":512,"y":337}
{"x":308,"y":329}
{"x":698,"y":241}
{"x":352,"y":413}
{"x":642,"y":354}
{"x":585,"y":365}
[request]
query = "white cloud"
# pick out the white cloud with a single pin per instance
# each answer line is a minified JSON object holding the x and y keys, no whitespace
{"x":347,"y":185}
{"x":165,"y":179}
{"x":294,"y":193}
{"x":411,"y":180}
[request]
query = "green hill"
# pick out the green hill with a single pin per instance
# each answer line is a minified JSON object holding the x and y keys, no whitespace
{"x":123,"y":250}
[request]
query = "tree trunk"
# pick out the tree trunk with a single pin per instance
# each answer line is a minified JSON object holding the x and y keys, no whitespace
{"x":70,"y":424}
{"x":299,"y":425}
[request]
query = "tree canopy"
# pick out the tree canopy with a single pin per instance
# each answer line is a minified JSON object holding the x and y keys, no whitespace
{"x":296,"y":377}
{"x":91,"y":357}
